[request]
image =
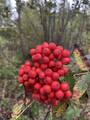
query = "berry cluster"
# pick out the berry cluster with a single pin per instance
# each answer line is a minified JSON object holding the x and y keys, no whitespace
{"x":41,"y":76}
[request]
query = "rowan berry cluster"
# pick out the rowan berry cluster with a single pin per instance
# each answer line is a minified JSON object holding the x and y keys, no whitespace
{"x":41,"y":76}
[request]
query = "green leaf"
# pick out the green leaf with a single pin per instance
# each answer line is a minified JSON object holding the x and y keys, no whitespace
{"x":72,"y":112}
{"x":70,"y":79}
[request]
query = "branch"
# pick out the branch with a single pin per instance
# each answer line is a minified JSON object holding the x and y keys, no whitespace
{"x":46,"y":116}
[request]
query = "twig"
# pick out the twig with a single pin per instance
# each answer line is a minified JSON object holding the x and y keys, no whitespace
{"x":46,"y":116}
{"x":4,"y":89}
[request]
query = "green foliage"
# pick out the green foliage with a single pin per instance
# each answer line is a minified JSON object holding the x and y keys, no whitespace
{"x":72,"y":112}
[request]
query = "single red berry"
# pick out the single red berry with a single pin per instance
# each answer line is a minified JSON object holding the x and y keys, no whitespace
{"x":21,"y":72}
{"x":51,"y":64}
{"x":66,"y":53}
{"x":46,"y":51}
{"x":41,"y":75}
{"x":36,"y":64}
{"x":32,"y":51}
{"x":36,"y":57}
{"x":64,"y":86}
{"x":66,"y":61}
{"x":55,"y":103}
{"x":32,"y":74}
{"x":47,"y":88}
{"x":32,"y":81}
{"x":52,"y":46}
{"x":59,"y":64}
{"x":27,"y":69}
{"x":48,"y":72}
{"x":60,"y":48}
{"x":45,"y":44}
{"x":51,"y":56}
{"x":42,"y":91}
{"x":44,"y":66}
{"x":37,"y":86}
{"x":59,"y":94}
{"x":39,"y":49}
{"x":45,"y":59}
{"x":48,"y":80}
{"x":20,"y":80}
{"x":68,"y":94}
{"x":51,"y":95}
{"x":55,"y":85}
{"x":55,"y":76}
{"x":38,"y":70}
{"x":57,"y":52}
{"x":25,"y":77}
{"x":26,"y":84}
{"x":61,"y":72}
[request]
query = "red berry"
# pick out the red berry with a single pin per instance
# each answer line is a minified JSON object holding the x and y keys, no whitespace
{"x":60,"y":48}
{"x":44,"y":66}
{"x":52,"y":46}
{"x":46,"y":51}
{"x":20,"y":80}
{"x":66,"y":70}
{"x":26,"y":84}
{"x":37,"y":86}
{"x":51,"y":95}
{"x":32,"y":51}
{"x":36,"y":64}
{"x":48,"y":72}
{"x":27,"y":69}
{"x":60,"y":56}
{"x":61,"y":72}
{"x":59,"y":94}
{"x":66,"y":61}
{"x":36,"y":57}
{"x":55,"y":102}
{"x":41,"y":75}
{"x":42,"y":91}
{"x":51,"y":64}
{"x":21,"y":72}
{"x":55,"y":76}
{"x":25,"y":77}
{"x":68,"y":94}
{"x":39,"y":49}
{"x":64,"y":86}
{"x":48,"y":80}
{"x":51,"y":56}
{"x":38,"y":70}
{"x":32,"y":81}
{"x":32,"y":74}
{"x":45,"y":59}
{"x":66,"y":53}
{"x":57,"y":52}
{"x":45,"y":44}
{"x":47,"y":89}
{"x":59,"y":64}
{"x":55,"y":85}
